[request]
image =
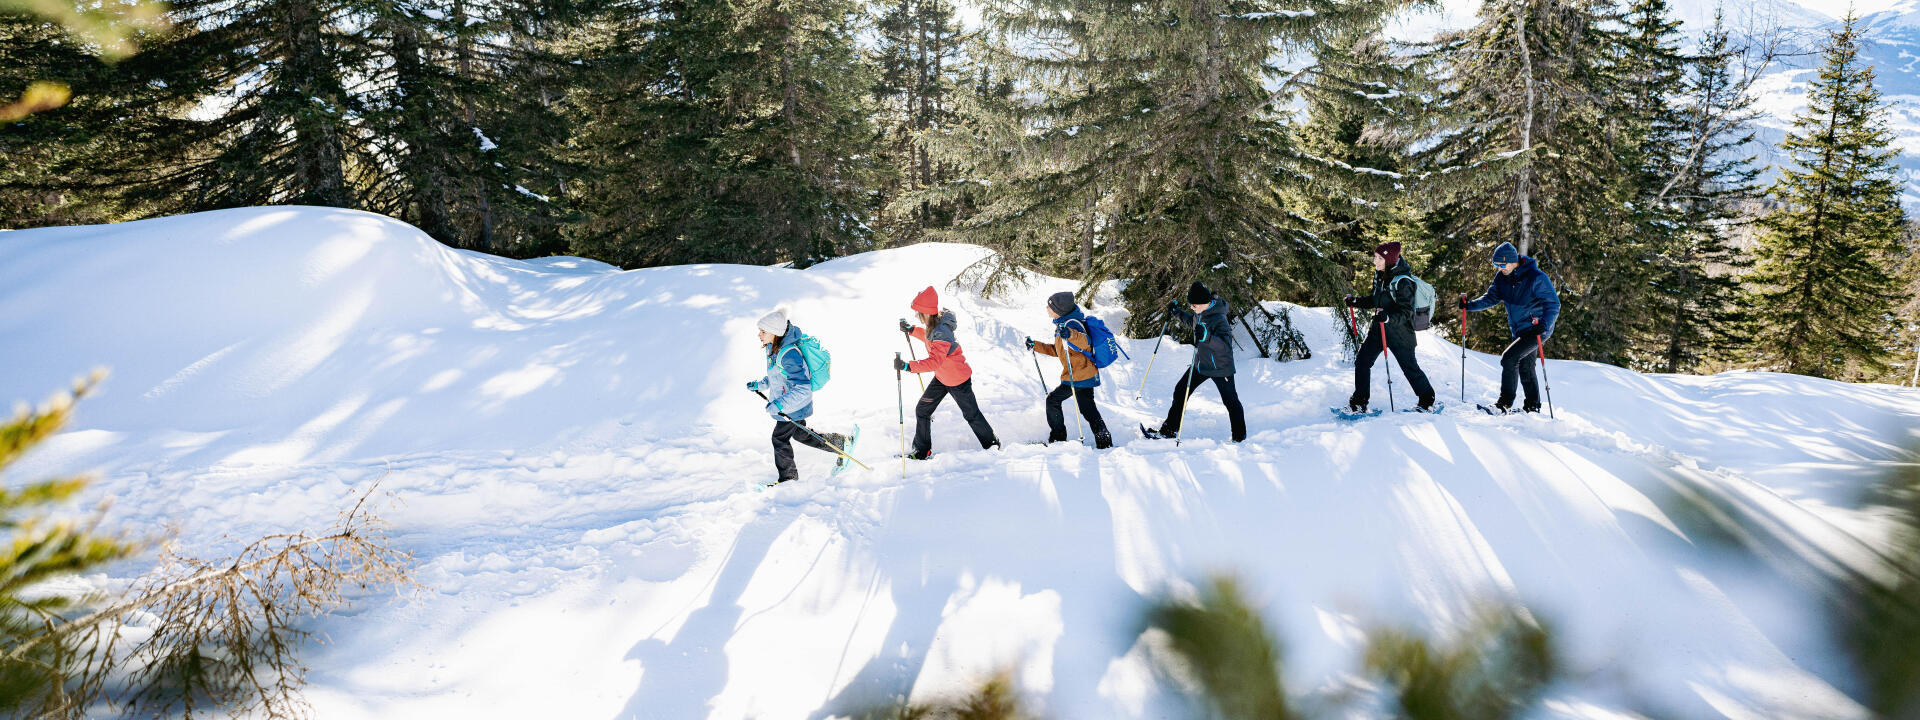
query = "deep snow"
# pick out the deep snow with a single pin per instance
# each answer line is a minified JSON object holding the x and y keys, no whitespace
{"x":569,"y":445}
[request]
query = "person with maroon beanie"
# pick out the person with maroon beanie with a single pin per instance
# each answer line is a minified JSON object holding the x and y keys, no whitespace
{"x":1392,"y":301}
{"x":951,"y":375}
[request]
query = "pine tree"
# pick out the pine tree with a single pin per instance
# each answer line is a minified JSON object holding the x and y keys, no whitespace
{"x":1697,"y":272}
{"x":1364,"y":106}
{"x":1145,"y":141}
{"x":1530,"y":152}
{"x":919,"y":71}
{"x":1827,"y":264}
{"x":725,"y":131}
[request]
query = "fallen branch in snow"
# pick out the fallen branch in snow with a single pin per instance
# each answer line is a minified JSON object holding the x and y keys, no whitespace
{"x":220,"y":634}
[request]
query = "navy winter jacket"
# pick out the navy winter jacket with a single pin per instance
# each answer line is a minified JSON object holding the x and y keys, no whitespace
{"x":1213,"y":336}
{"x":1529,"y":295}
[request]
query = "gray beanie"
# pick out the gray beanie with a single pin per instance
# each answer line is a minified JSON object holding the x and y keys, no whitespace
{"x":1061,"y":303}
{"x":775,"y":323}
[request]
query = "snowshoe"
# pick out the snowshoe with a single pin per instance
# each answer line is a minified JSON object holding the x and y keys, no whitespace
{"x":846,"y":452}
{"x":1350,"y":416}
{"x":1152,"y":434}
{"x":1433,"y":409}
{"x":1494,"y":410}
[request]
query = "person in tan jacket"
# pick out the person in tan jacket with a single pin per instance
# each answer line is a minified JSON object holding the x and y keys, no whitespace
{"x":1078,"y":375}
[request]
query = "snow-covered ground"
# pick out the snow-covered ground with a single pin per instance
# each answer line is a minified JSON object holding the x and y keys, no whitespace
{"x":569,"y":446}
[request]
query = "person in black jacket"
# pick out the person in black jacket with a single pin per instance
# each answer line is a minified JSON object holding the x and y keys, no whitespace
{"x":1213,"y":360}
{"x":1392,"y":299}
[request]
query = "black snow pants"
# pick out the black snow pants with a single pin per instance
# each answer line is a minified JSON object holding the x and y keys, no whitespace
{"x":1516,"y":363}
{"x":783,"y":432}
{"x":969,"y":409}
{"x":1229,"y":396}
{"x":1057,"y":420}
{"x":1400,"y":343}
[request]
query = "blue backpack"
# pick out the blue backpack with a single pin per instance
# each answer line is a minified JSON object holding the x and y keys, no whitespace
{"x":1106,"y":349}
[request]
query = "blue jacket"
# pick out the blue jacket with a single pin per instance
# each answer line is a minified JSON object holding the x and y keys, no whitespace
{"x":1076,"y":324}
{"x":788,"y":384}
{"x":1529,"y":295}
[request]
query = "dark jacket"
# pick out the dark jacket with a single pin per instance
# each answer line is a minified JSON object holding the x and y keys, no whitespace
{"x":1081,"y":369}
{"x":788,"y":386}
{"x":1213,"y":337}
{"x":1529,"y":296}
{"x":1394,"y":300}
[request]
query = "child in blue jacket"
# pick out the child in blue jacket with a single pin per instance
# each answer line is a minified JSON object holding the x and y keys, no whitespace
{"x":789,"y":390}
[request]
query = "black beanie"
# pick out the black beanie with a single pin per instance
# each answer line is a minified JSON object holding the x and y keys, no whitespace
{"x":1198,"y":294}
{"x":1061,"y":303}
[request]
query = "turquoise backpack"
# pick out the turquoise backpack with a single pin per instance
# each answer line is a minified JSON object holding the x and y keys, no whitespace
{"x":819,"y":363}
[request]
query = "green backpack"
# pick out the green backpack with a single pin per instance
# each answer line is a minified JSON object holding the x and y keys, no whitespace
{"x":1422,"y":302}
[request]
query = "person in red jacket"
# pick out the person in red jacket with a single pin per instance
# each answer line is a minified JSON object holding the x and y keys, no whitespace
{"x":951,"y":375}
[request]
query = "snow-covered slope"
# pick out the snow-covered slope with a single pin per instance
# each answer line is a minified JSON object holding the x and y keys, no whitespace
{"x":569,"y":445}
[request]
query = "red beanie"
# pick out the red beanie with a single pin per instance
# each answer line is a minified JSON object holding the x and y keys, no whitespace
{"x":927,"y":302}
{"x":1390,"y":251}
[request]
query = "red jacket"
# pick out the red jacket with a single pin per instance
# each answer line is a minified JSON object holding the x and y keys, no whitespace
{"x":944,"y":357}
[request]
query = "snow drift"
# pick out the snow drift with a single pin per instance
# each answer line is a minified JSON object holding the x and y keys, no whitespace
{"x":568,"y":444}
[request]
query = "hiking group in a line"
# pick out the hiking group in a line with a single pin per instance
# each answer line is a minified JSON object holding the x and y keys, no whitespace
{"x":1082,"y":346}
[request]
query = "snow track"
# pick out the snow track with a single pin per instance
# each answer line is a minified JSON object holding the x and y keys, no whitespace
{"x":568,"y":445}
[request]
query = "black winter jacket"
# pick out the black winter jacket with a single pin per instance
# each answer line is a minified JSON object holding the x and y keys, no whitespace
{"x":1393,"y":300}
{"x":1213,"y":336}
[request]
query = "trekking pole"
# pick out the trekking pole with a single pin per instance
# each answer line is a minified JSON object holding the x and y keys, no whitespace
{"x":1463,"y":347}
{"x":1137,"y":393}
{"x":1542,"y":347}
{"x":1386,"y":361}
{"x":816,"y":436}
{"x":1037,"y":372}
{"x":908,"y":339}
{"x":899,"y":397}
{"x":1187,"y":398}
{"x":1073,"y":393}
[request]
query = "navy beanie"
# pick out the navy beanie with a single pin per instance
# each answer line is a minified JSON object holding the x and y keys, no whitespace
{"x":1198,"y":294}
{"x":1506,"y":253}
{"x":1061,"y":303}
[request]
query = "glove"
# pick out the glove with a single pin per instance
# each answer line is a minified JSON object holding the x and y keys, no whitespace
{"x":1062,"y":332}
{"x":1029,"y":343}
{"x":1535,"y":329}
{"x":1353,"y":301}
{"x":753,"y":385}
{"x":899,"y":364}
{"x":1463,"y":302}
{"x":1173,"y":305}
{"x":905,"y":328}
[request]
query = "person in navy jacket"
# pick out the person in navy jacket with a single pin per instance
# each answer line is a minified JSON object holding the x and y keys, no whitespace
{"x":1532,"y":308}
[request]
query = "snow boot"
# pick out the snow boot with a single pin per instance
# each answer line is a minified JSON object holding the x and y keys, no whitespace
{"x":1426,"y":406}
{"x":1102,"y":441}
{"x":928,"y":455}
{"x":1152,"y":434}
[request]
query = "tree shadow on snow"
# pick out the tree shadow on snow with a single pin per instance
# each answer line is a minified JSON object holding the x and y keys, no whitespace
{"x":680,"y":678}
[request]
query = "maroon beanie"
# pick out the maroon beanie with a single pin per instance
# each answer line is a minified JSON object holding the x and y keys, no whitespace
{"x":1390,"y":251}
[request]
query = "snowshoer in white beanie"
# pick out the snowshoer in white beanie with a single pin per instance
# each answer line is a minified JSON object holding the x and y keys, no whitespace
{"x":788,"y":388}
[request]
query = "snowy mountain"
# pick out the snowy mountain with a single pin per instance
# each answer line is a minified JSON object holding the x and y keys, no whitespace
{"x":568,"y":446}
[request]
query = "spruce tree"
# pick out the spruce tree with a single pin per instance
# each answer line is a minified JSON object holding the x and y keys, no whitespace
{"x":919,"y":70}
{"x":1530,"y":152}
{"x":1148,"y":139}
{"x":1826,"y":276}
{"x":1697,"y":271}
{"x":725,"y":131}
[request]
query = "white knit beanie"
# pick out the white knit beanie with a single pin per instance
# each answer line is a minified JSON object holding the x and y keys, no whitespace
{"x":775,"y":323}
